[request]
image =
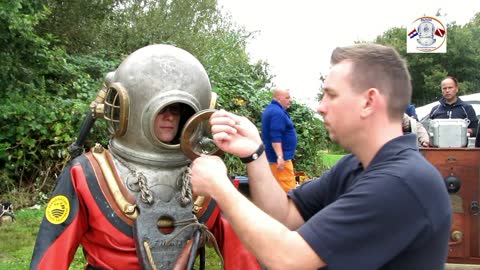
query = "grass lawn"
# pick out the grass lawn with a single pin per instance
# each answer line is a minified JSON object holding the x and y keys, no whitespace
{"x":18,"y":240}
{"x":330,"y":159}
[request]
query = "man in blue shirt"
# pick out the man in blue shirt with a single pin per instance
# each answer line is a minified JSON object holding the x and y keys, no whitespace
{"x":452,"y":107}
{"x":384,"y":206}
{"x":280,"y":138}
{"x":410,"y":111}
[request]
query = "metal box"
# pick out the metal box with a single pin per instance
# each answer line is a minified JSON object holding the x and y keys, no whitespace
{"x":448,"y":132}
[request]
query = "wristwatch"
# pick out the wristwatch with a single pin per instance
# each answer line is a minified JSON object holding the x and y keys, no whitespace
{"x":255,"y":155}
{"x":280,"y":156}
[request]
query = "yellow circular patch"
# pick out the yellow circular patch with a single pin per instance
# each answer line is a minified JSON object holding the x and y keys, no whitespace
{"x":58,"y":209}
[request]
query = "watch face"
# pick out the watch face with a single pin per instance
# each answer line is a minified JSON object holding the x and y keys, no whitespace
{"x":255,"y":156}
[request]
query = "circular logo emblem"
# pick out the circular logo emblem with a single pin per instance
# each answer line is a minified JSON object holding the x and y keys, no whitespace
{"x":58,"y":209}
{"x":429,"y":33}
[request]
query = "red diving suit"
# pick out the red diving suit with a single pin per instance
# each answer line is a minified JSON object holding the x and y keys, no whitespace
{"x":82,"y":211}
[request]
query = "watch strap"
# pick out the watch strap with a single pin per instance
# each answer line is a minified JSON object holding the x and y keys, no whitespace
{"x":255,"y":155}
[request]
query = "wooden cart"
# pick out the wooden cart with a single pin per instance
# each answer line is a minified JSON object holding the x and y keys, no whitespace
{"x":460,"y":168}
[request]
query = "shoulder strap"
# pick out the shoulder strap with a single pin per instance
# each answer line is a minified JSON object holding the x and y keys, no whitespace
{"x":109,"y":183}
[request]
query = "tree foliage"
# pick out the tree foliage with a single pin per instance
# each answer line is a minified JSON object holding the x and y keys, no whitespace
{"x":76,"y":24}
{"x":43,"y":97}
{"x":24,"y":53}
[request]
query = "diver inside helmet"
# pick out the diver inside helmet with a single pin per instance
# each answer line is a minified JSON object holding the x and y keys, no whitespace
{"x":170,"y":121}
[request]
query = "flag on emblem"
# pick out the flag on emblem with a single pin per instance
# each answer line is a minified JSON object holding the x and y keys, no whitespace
{"x":440,"y":32}
{"x":413,"y":34}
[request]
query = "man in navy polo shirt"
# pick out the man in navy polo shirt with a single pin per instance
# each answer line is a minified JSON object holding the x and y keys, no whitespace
{"x":381,"y":207}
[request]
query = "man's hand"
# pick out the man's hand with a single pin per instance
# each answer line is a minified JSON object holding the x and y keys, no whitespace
{"x":280,"y":163}
{"x":234,"y":134}
{"x":208,"y":175}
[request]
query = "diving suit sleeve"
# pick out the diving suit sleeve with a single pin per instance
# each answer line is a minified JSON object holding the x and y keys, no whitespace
{"x":64,"y":222}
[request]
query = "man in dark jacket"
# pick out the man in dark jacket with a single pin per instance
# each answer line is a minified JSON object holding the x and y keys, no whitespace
{"x":452,"y":107}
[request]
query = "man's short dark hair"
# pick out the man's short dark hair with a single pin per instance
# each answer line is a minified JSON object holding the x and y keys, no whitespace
{"x":381,"y":67}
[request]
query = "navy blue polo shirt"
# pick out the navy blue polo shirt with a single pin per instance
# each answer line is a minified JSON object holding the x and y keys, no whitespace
{"x":394,"y":214}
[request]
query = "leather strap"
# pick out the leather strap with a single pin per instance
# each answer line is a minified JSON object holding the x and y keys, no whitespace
{"x":255,"y":155}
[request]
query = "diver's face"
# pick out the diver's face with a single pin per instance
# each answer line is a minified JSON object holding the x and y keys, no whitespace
{"x":166,"y":122}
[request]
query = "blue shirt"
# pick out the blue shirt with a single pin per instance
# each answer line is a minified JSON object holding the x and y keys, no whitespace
{"x":394,"y":214}
{"x":277,"y":127}
{"x":410,"y":111}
